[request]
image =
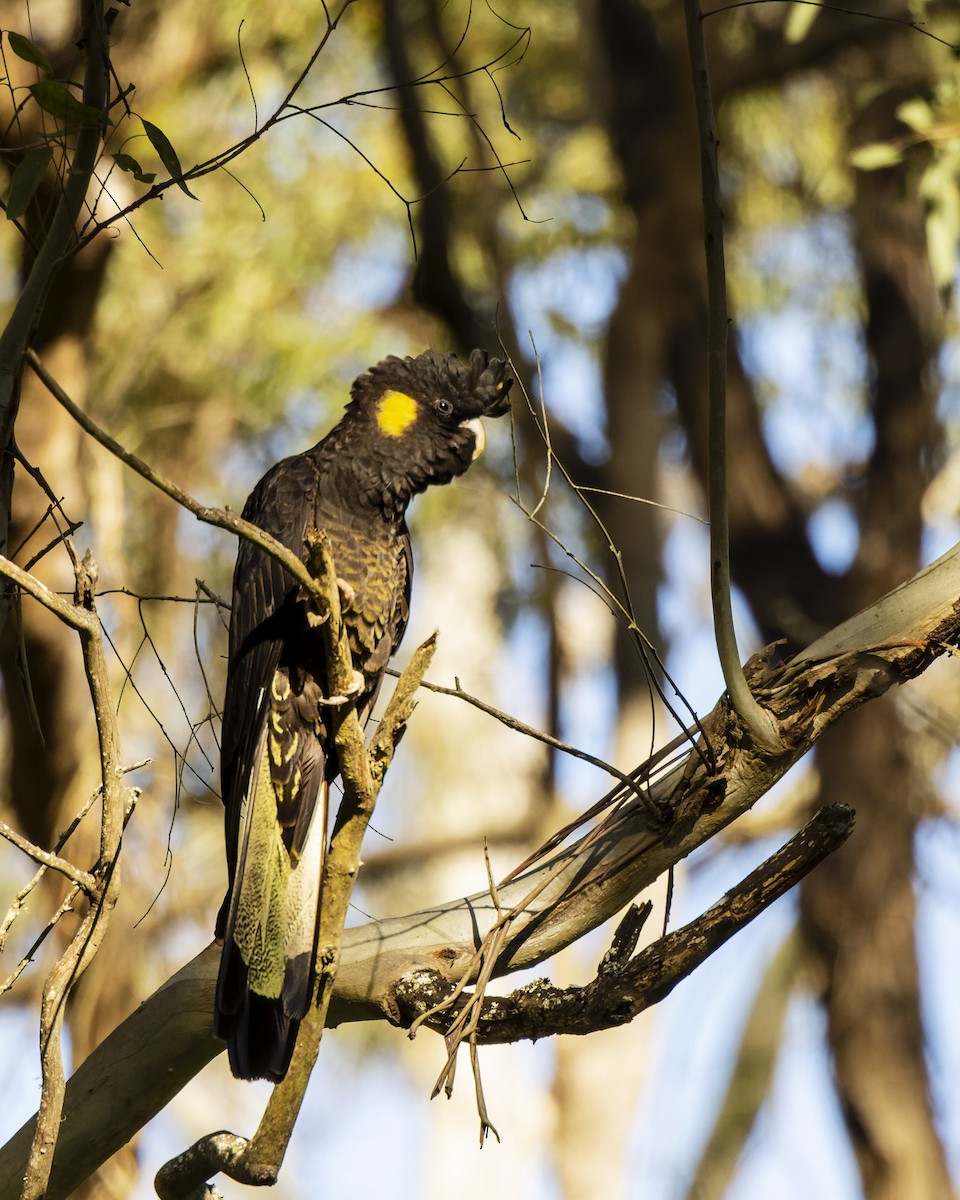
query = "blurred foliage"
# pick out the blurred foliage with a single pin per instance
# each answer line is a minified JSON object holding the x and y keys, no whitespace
{"x":230,"y":326}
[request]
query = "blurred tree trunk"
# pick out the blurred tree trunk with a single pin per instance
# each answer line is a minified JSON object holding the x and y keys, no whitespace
{"x":53,"y":757}
{"x":45,"y":692}
{"x":858,"y":910}
{"x":53,"y":767}
{"x":858,"y":914}
{"x":52,"y":763}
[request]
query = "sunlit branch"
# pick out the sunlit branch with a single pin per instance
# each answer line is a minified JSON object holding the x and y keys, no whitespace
{"x":170,"y":1037}
{"x":83,"y":879}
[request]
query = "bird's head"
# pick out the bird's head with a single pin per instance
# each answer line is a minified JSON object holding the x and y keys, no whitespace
{"x":421,"y":415}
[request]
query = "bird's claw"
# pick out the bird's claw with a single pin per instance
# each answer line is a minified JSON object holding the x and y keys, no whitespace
{"x":347,"y":593}
{"x":353,"y":689}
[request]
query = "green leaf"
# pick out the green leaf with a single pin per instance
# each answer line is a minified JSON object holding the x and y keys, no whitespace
{"x":168,"y":156}
{"x":26,"y":179}
{"x":25,"y":49}
{"x":799,"y":20}
{"x":57,"y":99}
{"x":876,"y":155}
{"x":916,"y":113}
{"x":942,"y":247}
{"x":127,"y":162}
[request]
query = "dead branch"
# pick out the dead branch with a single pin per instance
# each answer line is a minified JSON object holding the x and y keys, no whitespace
{"x":169,"y":1038}
{"x":223,"y":518}
{"x":624,"y":986}
{"x":258,"y":1161}
{"x":53,"y":862}
{"x":104,"y":878}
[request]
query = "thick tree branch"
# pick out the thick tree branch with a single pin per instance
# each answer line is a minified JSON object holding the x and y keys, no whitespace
{"x":169,"y":1038}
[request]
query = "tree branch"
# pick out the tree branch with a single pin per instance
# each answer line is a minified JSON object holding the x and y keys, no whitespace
{"x":170,"y":1036}
{"x":83,"y":879}
{"x":258,"y":1161}
{"x":88,"y":937}
{"x":61,"y":237}
{"x":625,"y":985}
{"x":222,"y":518}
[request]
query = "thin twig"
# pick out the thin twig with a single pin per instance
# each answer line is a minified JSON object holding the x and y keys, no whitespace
{"x":916,"y":26}
{"x":538,"y":735}
{"x":83,"y":879}
{"x":622,"y":610}
{"x":221,"y":517}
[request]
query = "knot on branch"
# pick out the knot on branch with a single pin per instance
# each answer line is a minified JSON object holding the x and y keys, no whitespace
{"x":625,"y":940}
{"x":414,"y":995}
{"x":85,"y":589}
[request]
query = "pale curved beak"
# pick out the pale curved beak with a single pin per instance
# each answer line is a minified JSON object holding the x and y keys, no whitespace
{"x":475,"y":425}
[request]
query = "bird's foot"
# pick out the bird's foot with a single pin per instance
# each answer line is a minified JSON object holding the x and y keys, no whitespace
{"x":352,"y":690}
{"x":347,"y":593}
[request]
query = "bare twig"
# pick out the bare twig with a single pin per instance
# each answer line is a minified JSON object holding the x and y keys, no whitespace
{"x":530,"y":731}
{"x":287,"y":110}
{"x":17,"y":904}
{"x":221,"y":517}
{"x":14,"y":909}
{"x":621,"y":609}
{"x":865,"y":13}
{"x":83,"y":879}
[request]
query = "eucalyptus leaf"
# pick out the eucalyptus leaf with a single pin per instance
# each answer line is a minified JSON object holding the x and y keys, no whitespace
{"x":168,"y":156}
{"x":25,"y":49}
{"x":916,"y":113}
{"x":876,"y":155}
{"x":800,"y":19}
{"x":126,"y":162}
{"x":26,"y":179}
{"x":56,"y":99}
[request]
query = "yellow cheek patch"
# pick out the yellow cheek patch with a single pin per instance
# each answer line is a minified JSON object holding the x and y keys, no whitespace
{"x":396,"y":412}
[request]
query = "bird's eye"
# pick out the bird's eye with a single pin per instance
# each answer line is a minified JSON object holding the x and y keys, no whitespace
{"x":445,"y":407}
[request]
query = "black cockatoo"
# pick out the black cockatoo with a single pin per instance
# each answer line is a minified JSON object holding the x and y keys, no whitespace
{"x":411,"y":422}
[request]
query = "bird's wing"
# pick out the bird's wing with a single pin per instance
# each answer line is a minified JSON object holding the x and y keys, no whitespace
{"x":273,"y":781}
{"x":264,"y":610}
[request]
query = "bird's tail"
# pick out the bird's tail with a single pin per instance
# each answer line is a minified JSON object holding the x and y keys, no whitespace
{"x":266,"y":978}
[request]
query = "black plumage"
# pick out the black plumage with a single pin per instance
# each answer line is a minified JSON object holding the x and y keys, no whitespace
{"x":410,"y":423}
